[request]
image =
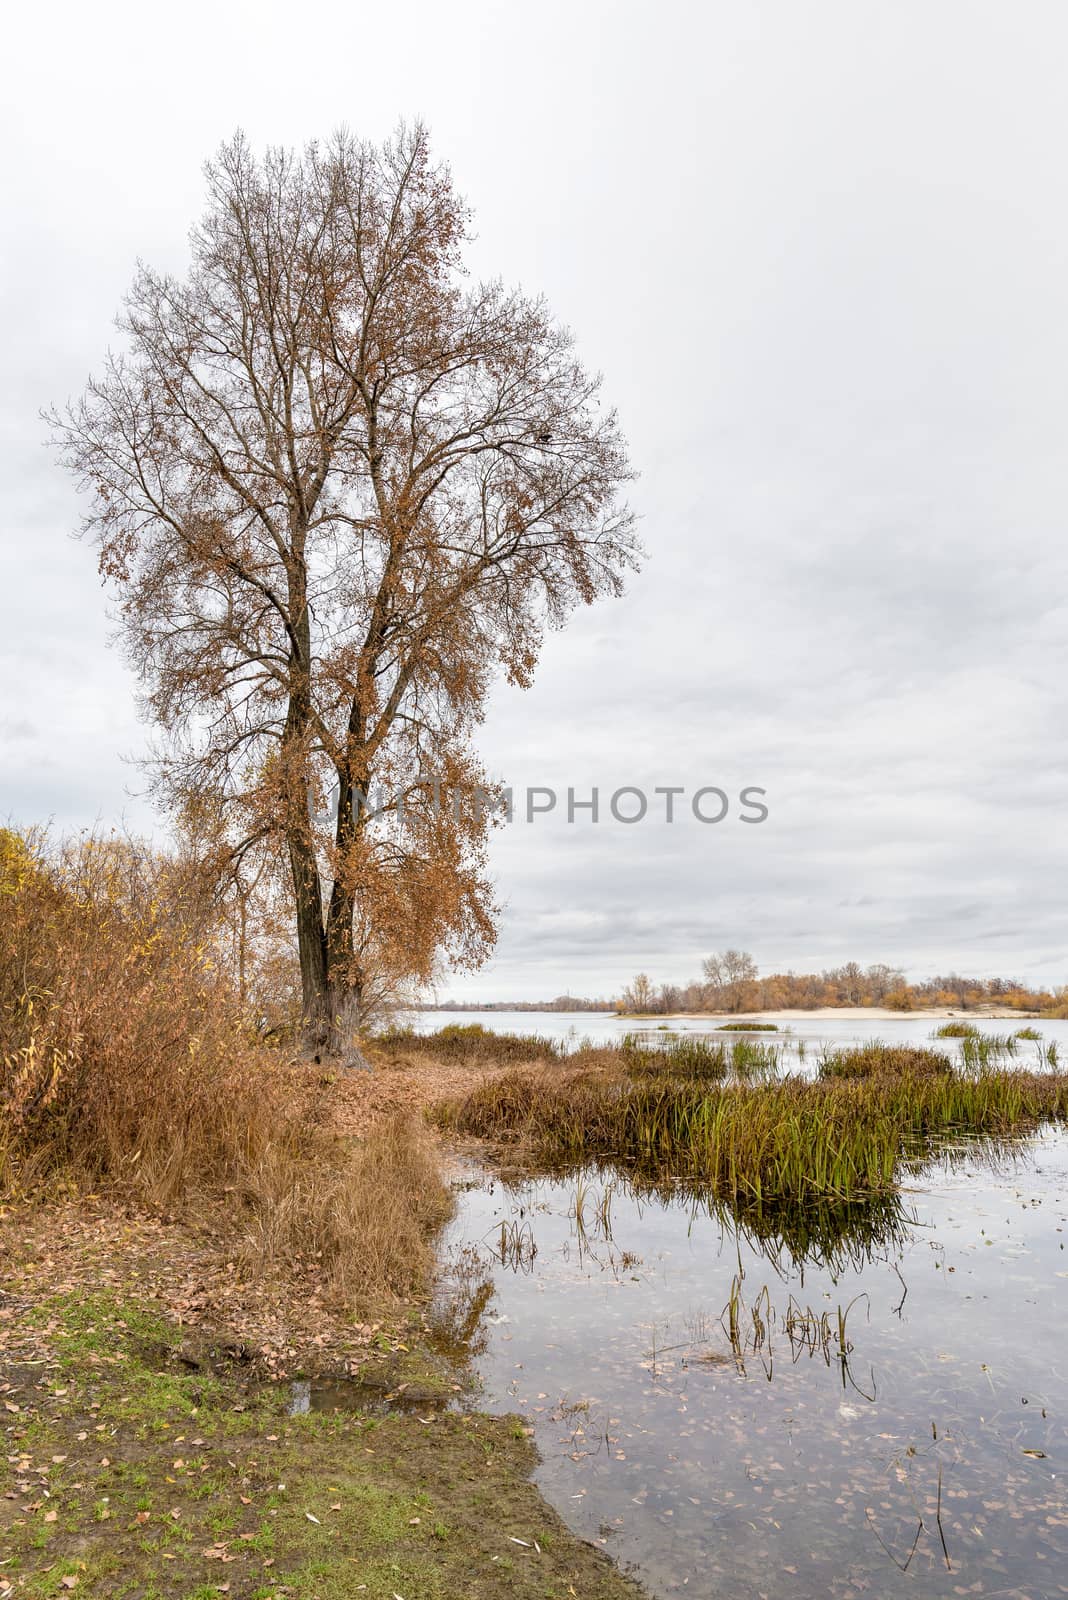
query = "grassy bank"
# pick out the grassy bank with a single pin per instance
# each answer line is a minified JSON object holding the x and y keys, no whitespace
{"x":186,"y":1213}
{"x":141,"y":1465}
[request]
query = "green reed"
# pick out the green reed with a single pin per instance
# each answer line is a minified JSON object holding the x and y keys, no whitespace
{"x":681,"y":1055}
{"x":986,"y":1050}
{"x":840,"y":1136}
{"x":748,"y":1027}
{"x":878,"y":1059}
{"x":751,"y":1060}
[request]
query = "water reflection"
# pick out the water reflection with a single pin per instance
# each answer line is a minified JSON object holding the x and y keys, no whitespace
{"x":881,"y":1413}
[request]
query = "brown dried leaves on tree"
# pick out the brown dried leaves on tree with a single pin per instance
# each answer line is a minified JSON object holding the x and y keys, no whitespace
{"x":338,"y":487}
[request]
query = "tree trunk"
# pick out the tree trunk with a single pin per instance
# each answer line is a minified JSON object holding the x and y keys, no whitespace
{"x":311,"y":944}
{"x":343,"y":977}
{"x":330,"y":987}
{"x":320,"y":1011}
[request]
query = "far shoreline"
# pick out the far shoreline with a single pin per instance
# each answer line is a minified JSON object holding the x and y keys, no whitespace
{"x":819,"y":1013}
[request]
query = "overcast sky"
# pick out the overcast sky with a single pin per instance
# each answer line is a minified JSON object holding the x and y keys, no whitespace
{"x":820,"y":253}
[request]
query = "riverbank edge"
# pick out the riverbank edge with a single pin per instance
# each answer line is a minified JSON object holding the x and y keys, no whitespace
{"x":140,"y":1461}
{"x":128,"y":1336}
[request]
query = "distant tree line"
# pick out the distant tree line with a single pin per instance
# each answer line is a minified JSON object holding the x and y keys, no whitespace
{"x":730,"y":981}
{"x":563,"y":1002}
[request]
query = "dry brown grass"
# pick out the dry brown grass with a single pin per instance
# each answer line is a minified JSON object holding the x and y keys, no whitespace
{"x":126,"y":1063}
{"x":367,"y":1213}
{"x":467,"y":1044}
{"x":122,"y":1050}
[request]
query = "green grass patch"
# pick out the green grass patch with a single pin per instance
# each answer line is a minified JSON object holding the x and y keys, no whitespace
{"x":135,"y":1476}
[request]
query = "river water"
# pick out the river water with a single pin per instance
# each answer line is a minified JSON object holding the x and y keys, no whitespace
{"x":807,"y":1034}
{"x":919,"y":1448}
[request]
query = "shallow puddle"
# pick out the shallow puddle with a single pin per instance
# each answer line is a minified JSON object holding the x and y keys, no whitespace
{"x":916,"y":1448}
{"x":358,"y":1395}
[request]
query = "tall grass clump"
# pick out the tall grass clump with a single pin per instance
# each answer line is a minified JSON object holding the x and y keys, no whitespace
{"x":121,"y":1044}
{"x":876,"y":1059}
{"x":986,"y":1051}
{"x":956,"y":1030}
{"x":127,"y":1062}
{"x":367,"y":1214}
{"x":683,"y":1056}
{"x":748,"y":1027}
{"x":468,"y":1043}
{"x":751,"y":1060}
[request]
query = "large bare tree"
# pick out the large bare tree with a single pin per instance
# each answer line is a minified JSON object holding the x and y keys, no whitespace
{"x":338,"y":487}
